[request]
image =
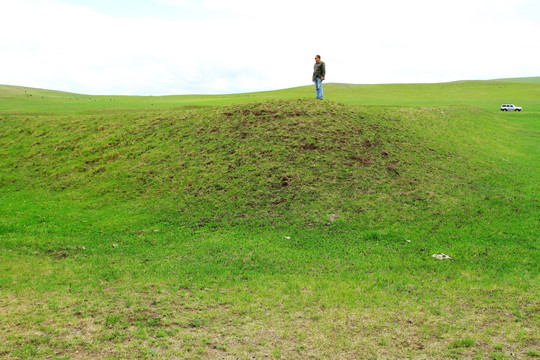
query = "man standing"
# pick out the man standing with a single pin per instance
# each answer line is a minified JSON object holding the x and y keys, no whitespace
{"x":319,"y":71}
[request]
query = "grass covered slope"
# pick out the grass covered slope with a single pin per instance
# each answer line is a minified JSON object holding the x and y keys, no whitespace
{"x":283,"y":229}
{"x":295,"y":161}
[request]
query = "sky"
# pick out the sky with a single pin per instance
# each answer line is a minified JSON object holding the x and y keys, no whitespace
{"x":175,"y":47}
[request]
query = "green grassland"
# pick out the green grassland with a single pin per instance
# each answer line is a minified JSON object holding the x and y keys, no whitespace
{"x":271,"y":225}
{"x":487,"y":95}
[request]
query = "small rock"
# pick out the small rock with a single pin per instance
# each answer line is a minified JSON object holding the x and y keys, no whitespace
{"x":442,"y":256}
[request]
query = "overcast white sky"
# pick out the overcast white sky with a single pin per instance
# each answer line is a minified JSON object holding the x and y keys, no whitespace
{"x":158,"y":47}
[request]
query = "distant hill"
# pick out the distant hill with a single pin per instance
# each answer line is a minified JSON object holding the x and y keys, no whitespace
{"x":485,"y":94}
{"x":528,"y":80}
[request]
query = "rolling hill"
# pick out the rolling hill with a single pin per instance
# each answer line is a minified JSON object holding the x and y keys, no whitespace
{"x":484,"y":94}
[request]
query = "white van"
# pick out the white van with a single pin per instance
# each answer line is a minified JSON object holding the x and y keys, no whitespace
{"x":510,"y":107}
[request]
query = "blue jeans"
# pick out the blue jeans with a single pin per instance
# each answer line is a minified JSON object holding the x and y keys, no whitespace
{"x":318,"y":88}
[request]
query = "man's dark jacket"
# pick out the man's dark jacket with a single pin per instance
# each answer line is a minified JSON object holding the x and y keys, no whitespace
{"x":319,"y":70}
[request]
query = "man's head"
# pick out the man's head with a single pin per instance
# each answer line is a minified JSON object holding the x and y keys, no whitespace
{"x":317,"y":58}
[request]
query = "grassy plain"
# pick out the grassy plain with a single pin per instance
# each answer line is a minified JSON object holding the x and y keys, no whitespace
{"x":271,"y":225}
